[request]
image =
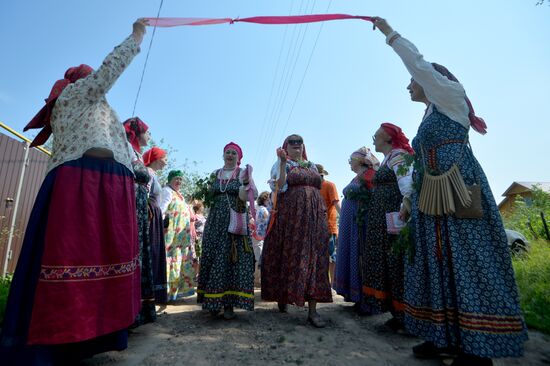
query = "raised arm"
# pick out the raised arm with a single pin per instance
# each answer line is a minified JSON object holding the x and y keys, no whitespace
{"x":99,"y":82}
{"x":438,"y":89}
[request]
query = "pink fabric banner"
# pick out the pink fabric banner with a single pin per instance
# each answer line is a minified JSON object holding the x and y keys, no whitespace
{"x":292,"y":19}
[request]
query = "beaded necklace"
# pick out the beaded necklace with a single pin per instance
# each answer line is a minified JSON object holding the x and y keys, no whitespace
{"x":220,"y":177}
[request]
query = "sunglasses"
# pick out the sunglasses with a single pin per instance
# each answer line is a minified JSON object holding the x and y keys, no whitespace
{"x":295,"y":142}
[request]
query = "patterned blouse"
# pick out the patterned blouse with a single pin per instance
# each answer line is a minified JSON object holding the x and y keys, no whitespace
{"x":82,"y":119}
{"x":262,"y":219}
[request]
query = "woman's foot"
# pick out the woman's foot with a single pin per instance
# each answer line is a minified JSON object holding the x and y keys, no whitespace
{"x":359,"y":310}
{"x":283,"y":308}
{"x":428,"y":350}
{"x":316,"y":321}
{"x":228,"y":312}
{"x":214,"y":313}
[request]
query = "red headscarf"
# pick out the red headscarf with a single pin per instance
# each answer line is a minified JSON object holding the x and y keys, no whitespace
{"x":134,"y":127}
{"x":478,"y":124}
{"x":285,"y":146}
{"x":42,"y":118}
{"x":398,"y":138}
{"x":237,"y":148}
{"x":152,"y":155}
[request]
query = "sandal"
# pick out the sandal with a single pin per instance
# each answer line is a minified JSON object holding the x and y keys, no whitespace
{"x":228,"y":313}
{"x":316,"y":321}
{"x":283,"y":308}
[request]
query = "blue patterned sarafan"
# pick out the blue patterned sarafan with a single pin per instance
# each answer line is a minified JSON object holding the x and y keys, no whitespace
{"x":460,"y":288}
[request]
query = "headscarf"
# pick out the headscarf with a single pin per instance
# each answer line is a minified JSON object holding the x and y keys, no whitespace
{"x":366,"y":157}
{"x":134,"y":127}
{"x":235,"y":147}
{"x":398,"y":138}
{"x":152,"y":155}
{"x":478,"y":124}
{"x":42,"y":118}
{"x":285,"y":146}
{"x":173,"y":174}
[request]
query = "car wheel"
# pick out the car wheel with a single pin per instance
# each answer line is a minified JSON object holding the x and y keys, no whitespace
{"x":518,"y":248}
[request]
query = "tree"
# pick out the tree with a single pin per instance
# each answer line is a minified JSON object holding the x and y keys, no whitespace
{"x":527,"y":218}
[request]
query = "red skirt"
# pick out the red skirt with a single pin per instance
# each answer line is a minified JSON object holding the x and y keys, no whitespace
{"x":89,"y":281}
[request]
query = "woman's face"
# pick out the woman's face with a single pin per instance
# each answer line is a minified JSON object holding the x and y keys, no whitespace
{"x":176,"y":183}
{"x":230,"y":158}
{"x":144,"y":138}
{"x":295,"y":147}
{"x":355,"y":164}
{"x":416,"y":92}
{"x":160,"y":163}
{"x":381,"y":140}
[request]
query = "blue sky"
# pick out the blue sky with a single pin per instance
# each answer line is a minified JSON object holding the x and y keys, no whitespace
{"x":206,"y":86}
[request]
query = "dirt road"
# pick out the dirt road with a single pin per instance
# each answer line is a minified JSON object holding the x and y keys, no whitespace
{"x":185,"y":335}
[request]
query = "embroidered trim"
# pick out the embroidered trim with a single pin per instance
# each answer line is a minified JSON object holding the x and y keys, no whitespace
{"x":486,"y":323}
{"x":215,"y":296}
{"x":87,"y":273}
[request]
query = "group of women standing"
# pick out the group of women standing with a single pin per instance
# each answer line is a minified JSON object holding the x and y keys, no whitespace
{"x":457,"y":291}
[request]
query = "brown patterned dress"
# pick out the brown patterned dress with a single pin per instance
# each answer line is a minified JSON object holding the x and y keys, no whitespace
{"x":295,"y":256}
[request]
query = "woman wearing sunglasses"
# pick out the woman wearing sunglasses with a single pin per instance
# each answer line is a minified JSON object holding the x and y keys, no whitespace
{"x":295,"y":256}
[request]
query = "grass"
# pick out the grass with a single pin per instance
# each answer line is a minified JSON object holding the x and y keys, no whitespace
{"x":533,"y":279}
{"x":4,"y":290}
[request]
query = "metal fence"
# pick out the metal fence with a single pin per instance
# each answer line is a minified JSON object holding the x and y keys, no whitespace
{"x":22,"y":171}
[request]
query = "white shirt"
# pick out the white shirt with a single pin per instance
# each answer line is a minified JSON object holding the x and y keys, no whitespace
{"x":165,"y":198}
{"x":82,"y":119}
{"x":394,"y":160}
{"x":448,"y":96}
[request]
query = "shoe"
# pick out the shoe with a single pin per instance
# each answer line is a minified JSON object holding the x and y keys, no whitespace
{"x":316,"y":321}
{"x":428,"y":350}
{"x":228,"y":313}
{"x":470,"y":360}
{"x":283,"y":308}
{"x":395,"y":324}
{"x":214,"y":313}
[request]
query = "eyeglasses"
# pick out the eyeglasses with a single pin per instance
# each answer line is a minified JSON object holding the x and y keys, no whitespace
{"x":295,"y":142}
{"x":373,"y":138}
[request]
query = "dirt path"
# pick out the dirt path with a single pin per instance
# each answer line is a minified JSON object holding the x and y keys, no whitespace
{"x":185,"y":335}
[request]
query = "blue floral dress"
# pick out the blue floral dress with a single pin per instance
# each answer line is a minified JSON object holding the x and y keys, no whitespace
{"x":347,"y":278}
{"x":460,"y":289}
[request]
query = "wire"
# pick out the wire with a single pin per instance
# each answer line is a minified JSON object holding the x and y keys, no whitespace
{"x":305,"y":72}
{"x":146,"y":59}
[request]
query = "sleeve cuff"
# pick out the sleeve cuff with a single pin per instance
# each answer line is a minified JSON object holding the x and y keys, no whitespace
{"x":392,"y":37}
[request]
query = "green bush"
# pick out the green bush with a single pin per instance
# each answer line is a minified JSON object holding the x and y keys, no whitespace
{"x":526,"y":216}
{"x":4,"y":291}
{"x":533,"y":279}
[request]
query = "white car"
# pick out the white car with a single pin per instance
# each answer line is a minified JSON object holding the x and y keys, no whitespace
{"x":517,"y":243}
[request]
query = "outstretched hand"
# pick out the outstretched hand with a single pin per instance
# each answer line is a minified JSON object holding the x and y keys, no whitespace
{"x":382,"y":25}
{"x":139,"y":29}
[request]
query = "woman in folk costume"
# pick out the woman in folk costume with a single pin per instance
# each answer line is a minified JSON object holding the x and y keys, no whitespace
{"x":180,"y":248}
{"x":460,"y":291}
{"x":76,"y":286}
{"x":382,"y":267}
{"x":295,"y":255}
{"x":137,"y":133}
{"x":226,"y":277}
{"x":155,"y":159}
{"x":348,"y":280}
